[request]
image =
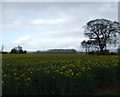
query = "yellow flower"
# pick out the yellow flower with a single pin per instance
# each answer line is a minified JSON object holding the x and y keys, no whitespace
{"x":2,"y":71}
{"x":107,"y":66}
{"x":70,"y":70}
{"x":61,"y":72}
{"x":27,"y":84}
{"x":4,"y":75}
{"x":98,"y":65}
{"x":48,"y":72}
{"x":28,"y":78}
{"x":22,"y":75}
{"x":72,"y":73}
{"x":28,"y":69}
{"x":115,"y":64}
{"x":38,"y":69}
{"x":14,"y":73}
{"x":76,"y":74}
{"x":80,"y":73}
{"x":83,"y":68}
{"x":2,"y":82}
{"x":89,"y":68}
{"x":17,"y":78}
{"x":18,"y":83}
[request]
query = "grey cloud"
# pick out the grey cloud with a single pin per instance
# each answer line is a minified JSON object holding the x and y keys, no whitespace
{"x":21,"y":16}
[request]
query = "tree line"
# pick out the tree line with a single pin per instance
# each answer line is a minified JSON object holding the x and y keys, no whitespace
{"x":15,"y":50}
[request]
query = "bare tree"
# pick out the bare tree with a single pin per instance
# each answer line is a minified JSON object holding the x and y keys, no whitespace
{"x":103,"y":31}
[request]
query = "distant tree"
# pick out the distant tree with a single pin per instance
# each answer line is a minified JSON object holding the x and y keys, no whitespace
{"x":85,"y":45}
{"x":13,"y":51}
{"x":89,"y":45}
{"x":18,"y":50}
{"x":103,"y":31}
{"x":21,"y":51}
{"x":4,"y":52}
{"x":2,"y":48}
{"x":25,"y":52}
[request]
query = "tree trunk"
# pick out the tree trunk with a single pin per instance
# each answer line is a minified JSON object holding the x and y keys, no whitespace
{"x":101,"y":46}
{"x":86,"y":51}
{"x":101,"y":50}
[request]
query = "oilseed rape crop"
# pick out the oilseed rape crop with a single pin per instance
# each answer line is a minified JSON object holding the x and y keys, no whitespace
{"x":59,"y":74}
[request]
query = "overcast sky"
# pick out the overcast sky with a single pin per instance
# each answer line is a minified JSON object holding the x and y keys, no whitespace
{"x":41,"y":26}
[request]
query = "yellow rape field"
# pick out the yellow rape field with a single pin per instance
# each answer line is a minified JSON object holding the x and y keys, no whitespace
{"x":57,"y":74}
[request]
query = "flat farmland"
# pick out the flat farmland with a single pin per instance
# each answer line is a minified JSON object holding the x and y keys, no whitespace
{"x":58,"y":74}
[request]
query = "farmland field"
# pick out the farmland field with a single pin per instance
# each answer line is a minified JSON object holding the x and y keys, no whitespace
{"x":61,"y":74}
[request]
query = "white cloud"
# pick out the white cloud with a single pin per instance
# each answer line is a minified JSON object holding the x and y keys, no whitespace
{"x":32,"y":43}
{"x":54,"y":21}
{"x":22,"y":40}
